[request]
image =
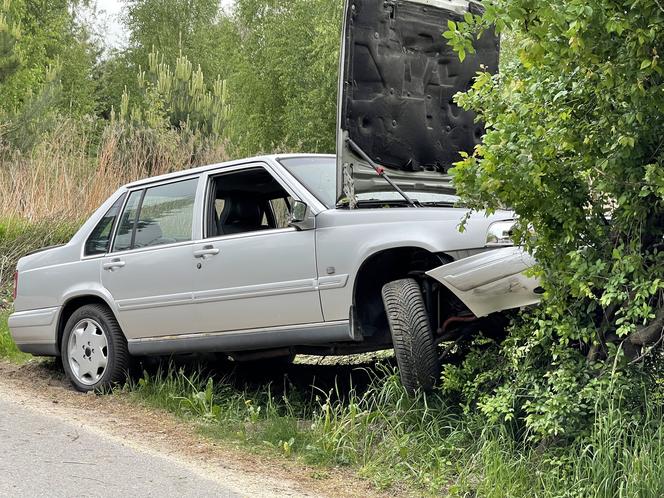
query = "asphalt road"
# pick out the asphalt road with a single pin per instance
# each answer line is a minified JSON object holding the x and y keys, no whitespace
{"x":43,"y":455}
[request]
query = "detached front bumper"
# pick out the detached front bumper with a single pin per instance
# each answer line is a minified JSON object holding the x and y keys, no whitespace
{"x":35,"y":331}
{"x":492,"y":281}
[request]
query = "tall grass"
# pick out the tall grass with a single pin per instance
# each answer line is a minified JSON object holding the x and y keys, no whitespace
{"x":66,"y":175}
{"x":419,"y":443}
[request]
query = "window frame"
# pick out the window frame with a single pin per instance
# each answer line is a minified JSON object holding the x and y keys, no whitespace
{"x":208,"y":201}
{"x":124,"y":206}
{"x":123,"y":196}
{"x":143,"y":188}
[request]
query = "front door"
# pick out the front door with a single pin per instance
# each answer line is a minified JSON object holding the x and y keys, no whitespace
{"x":150,"y":268}
{"x":254,"y":270}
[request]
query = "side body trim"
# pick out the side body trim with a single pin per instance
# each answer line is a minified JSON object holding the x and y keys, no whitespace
{"x":245,"y":340}
{"x":244,"y":292}
{"x":33,"y":318}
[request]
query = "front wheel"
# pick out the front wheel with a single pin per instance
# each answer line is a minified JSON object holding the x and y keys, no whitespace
{"x":94,"y":349}
{"x":414,"y":345}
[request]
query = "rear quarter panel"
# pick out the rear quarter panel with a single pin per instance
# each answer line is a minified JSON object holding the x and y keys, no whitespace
{"x":48,"y":278}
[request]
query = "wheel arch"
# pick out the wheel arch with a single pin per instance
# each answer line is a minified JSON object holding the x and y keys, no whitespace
{"x":71,"y":305}
{"x":378,"y":268}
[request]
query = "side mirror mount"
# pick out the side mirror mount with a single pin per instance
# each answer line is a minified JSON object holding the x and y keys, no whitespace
{"x":301,"y":217}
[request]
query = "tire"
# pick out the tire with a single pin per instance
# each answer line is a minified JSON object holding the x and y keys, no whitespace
{"x":413,"y":340}
{"x":94,"y":350}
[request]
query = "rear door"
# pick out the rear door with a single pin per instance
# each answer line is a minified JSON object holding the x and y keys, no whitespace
{"x":150,"y":267}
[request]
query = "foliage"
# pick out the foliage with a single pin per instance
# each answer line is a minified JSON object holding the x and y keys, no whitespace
{"x":574,"y":146}
{"x":10,"y":33}
{"x":269,"y":66}
{"x":50,"y":36}
{"x":198,"y":30}
{"x":282,"y":92}
{"x":190,"y":28}
{"x":177,"y":97}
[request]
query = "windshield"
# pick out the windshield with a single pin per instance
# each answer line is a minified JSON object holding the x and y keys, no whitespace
{"x":319,"y":176}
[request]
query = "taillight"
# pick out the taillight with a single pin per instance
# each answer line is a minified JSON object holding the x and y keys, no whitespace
{"x":15,"y":283}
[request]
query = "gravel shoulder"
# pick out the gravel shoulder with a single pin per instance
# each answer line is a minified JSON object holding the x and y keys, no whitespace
{"x":155,"y":439}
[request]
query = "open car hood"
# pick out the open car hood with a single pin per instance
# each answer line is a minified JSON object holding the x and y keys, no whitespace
{"x":397,"y":81}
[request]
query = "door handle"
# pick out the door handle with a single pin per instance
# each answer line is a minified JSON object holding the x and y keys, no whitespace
{"x":206,"y":252}
{"x":113,"y":265}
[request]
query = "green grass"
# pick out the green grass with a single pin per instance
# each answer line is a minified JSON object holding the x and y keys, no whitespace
{"x":8,"y":349}
{"x":419,"y":444}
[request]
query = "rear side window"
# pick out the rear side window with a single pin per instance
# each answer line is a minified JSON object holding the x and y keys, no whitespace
{"x":166,"y":215}
{"x":100,"y":238}
{"x":157,"y":216}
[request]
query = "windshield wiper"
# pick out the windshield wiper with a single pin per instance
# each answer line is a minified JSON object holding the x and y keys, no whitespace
{"x":380,"y":170}
{"x":439,"y":204}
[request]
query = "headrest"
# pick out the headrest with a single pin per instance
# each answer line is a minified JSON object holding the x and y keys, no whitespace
{"x":240,"y":211}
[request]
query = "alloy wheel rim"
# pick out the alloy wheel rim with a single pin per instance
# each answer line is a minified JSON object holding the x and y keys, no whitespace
{"x":87,"y":351}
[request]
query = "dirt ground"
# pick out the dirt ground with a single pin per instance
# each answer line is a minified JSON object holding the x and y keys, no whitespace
{"x":42,"y":387}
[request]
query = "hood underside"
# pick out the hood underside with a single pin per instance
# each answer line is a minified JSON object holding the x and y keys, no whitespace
{"x":397,"y":82}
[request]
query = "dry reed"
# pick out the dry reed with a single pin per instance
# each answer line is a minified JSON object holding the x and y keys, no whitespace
{"x":46,"y":193}
{"x":60,"y":179}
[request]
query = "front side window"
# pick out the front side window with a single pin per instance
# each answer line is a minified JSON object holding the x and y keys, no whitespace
{"x":243,"y":201}
{"x":100,"y":238}
{"x":158,"y":216}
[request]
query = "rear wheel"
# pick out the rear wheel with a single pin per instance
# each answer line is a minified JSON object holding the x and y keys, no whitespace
{"x":414,"y":345}
{"x":94,"y":349}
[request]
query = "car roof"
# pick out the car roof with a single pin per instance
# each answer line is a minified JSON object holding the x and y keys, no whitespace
{"x":202,"y":169}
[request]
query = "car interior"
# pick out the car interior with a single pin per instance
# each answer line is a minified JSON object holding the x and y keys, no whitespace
{"x":246,"y":201}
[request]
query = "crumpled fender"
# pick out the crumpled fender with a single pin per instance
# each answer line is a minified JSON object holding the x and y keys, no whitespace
{"x":491,"y":281}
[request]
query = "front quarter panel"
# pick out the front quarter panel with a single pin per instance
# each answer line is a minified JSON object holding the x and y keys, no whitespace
{"x":347,"y":238}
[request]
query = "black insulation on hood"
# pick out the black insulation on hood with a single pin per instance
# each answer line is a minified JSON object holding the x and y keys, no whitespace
{"x":400,"y":77}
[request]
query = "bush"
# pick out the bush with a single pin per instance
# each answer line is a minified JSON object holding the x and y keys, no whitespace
{"x":573,"y":144}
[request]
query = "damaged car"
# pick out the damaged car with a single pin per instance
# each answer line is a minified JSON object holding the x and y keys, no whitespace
{"x":272,"y":256}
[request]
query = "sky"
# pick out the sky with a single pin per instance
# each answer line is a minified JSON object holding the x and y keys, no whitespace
{"x":108,"y":21}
